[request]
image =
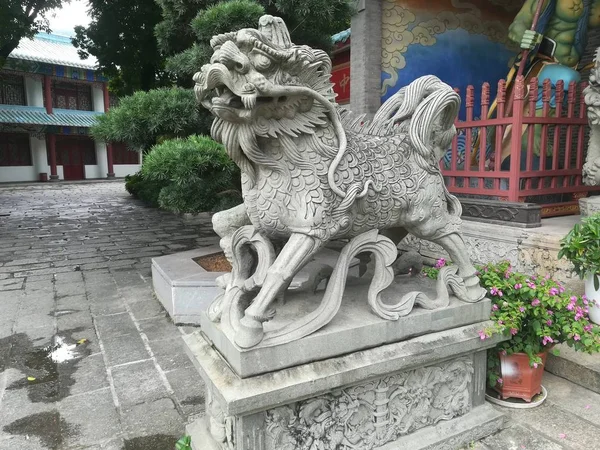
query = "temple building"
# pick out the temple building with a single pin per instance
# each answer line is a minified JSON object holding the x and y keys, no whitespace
{"x":49,"y":99}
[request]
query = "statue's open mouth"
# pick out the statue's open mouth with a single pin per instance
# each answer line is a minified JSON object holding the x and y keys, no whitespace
{"x":223,"y":97}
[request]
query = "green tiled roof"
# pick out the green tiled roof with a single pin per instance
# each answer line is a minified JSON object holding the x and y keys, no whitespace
{"x":32,"y":115}
{"x":52,"y":49}
{"x":341,"y":37}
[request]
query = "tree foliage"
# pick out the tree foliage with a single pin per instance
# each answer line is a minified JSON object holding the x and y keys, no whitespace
{"x":20,"y":19}
{"x":195,"y":175}
{"x":146,"y":118}
{"x":121,"y":36}
{"x":311,"y":22}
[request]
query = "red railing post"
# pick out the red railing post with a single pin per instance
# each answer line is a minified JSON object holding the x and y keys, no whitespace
{"x":497,"y":154}
{"x":515,"y":141}
{"x":485,"y":104}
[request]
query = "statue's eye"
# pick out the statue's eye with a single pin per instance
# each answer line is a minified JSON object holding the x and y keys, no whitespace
{"x":261,"y":62}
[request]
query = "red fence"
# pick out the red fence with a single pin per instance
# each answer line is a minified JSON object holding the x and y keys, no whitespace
{"x":543,"y":164}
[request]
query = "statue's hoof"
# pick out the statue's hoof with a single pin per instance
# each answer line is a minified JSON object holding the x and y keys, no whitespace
{"x":250,"y":333}
{"x":476,"y":293}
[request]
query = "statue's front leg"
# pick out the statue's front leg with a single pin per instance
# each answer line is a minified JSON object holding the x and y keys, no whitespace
{"x":299,"y":249}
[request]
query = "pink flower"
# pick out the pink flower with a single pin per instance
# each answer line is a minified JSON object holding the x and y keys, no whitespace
{"x":570,"y":306}
{"x":522,"y":309}
{"x":562,"y":435}
{"x":494,"y":307}
{"x":587,"y":328}
{"x":499,"y":381}
{"x":547,"y":276}
{"x":500,"y":322}
{"x":577,"y":337}
{"x":535,"y":365}
{"x":535,"y":302}
{"x":531,"y":285}
{"x":549,"y":322}
{"x":440,"y":263}
{"x":549,"y":312}
{"x":503,"y":352}
{"x":513,"y":331}
{"x":553,"y":291}
{"x":518,"y":286}
{"x":482,"y":335}
{"x":494,"y":290}
{"x":500,"y":294}
{"x":574,"y":299}
{"x":547,"y":340}
{"x":561,"y":289}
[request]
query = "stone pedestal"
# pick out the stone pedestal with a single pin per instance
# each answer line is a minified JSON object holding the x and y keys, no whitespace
{"x":423,"y":393}
{"x":360,"y":382}
{"x":589,"y":206}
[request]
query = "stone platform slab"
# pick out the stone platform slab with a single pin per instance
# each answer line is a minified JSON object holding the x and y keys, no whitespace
{"x":530,"y":250}
{"x":183,"y":287}
{"x":422,"y":393}
{"x":579,"y":368}
{"x":355,"y":327}
{"x":186,"y":290}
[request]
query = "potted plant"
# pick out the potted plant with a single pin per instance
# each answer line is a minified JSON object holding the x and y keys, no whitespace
{"x":535,"y":314}
{"x":582,"y":247}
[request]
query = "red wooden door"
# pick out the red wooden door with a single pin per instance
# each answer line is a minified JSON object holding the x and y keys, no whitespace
{"x":71,"y":156}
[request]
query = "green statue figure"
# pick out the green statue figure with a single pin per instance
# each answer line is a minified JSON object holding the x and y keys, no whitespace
{"x":556,"y":43}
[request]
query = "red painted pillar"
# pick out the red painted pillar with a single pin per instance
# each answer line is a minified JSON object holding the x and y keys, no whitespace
{"x":109,"y":160}
{"x":48,"y":93}
{"x":51,"y":146}
{"x":106,"y":97}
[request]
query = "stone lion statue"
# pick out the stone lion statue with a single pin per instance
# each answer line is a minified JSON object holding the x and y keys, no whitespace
{"x":591,"y":168}
{"x":313,"y":172}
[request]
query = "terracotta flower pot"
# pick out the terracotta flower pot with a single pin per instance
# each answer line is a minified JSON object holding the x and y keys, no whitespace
{"x":519,"y":379}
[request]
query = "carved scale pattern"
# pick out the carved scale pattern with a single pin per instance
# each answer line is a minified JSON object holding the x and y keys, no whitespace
{"x":369,"y":415}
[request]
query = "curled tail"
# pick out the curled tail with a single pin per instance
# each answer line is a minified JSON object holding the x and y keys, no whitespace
{"x":426,"y":109}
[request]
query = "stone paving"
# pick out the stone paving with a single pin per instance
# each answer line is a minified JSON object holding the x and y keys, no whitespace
{"x":75,"y":270}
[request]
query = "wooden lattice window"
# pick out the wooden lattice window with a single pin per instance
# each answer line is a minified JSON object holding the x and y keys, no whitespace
{"x":72,"y":96}
{"x":121,"y":155}
{"x":14,"y":149}
{"x":12,"y":89}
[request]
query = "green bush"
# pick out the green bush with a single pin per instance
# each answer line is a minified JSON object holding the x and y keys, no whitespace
{"x":195,"y":175}
{"x":144,"y":189}
{"x":146,"y":118}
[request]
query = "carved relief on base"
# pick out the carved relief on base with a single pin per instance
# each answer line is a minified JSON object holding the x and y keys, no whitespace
{"x":371,"y":414}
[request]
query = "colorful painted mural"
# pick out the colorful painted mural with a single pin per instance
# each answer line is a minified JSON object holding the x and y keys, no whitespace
{"x":461,"y":42}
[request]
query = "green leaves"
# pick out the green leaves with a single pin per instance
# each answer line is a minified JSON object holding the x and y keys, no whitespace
{"x":144,"y":118}
{"x":185,"y":443}
{"x":581,"y":246}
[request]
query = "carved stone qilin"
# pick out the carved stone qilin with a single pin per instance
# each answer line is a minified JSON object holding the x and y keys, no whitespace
{"x":313,"y":172}
{"x":372,"y":414}
{"x":591,"y":168}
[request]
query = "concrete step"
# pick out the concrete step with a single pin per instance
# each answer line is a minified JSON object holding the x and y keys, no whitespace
{"x":579,"y":368}
{"x":569,"y":419}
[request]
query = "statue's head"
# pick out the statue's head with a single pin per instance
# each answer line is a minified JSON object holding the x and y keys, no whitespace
{"x":261,"y":79}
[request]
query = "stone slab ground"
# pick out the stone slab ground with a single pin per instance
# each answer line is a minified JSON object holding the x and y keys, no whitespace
{"x":75,"y":261}
{"x":75,"y":264}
